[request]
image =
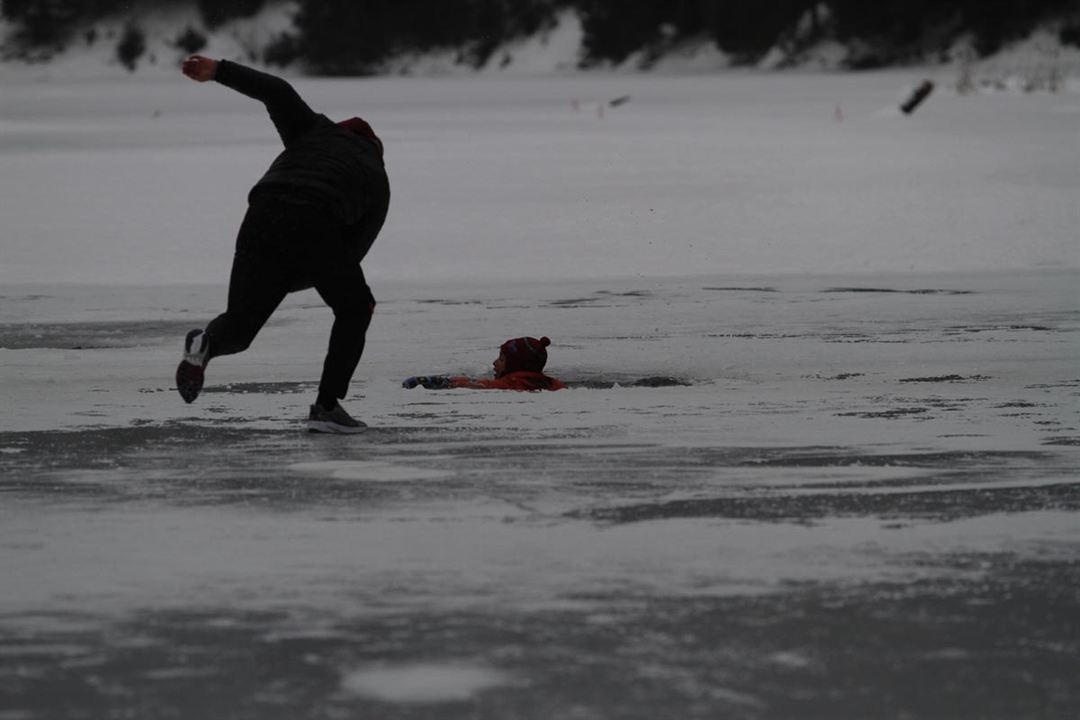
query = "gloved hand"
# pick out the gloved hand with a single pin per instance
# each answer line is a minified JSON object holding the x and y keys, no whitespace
{"x":431,"y":382}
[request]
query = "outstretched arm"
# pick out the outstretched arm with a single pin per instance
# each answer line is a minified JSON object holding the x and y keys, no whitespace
{"x":288,"y":111}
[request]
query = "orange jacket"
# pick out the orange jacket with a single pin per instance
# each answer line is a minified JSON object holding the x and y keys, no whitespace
{"x":520,"y":380}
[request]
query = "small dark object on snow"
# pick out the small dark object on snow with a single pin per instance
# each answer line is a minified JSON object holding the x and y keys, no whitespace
{"x":621,"y":100}
{"x":917,"y":96}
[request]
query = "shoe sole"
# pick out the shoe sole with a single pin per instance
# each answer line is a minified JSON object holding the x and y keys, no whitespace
{"x":189,"y":381}
{"x":189,"y":373}
{"x":329,"y":428}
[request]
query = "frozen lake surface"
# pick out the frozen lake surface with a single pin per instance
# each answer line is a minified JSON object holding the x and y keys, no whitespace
{"x":769,"y":499}
{"x":818,"y":456}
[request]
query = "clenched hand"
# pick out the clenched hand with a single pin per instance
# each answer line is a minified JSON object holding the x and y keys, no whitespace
{"x":199,"y":68}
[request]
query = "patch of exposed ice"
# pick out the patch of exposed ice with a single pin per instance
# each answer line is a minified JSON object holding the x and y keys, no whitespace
{"x":367,"y":470}
{"x":423,"y":683}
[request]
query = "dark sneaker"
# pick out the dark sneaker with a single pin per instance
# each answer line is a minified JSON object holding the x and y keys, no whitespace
{"x":189,"y":374}
{"x":321,"y":420}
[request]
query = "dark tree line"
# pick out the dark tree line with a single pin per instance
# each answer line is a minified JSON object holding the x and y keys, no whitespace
{"x":744,"y":28}
{"x":345,"y":36}
{"x":900,"y":28}
{"x":44,"y":22}
{"x":354,"y":36}
{"x":889,"y":30}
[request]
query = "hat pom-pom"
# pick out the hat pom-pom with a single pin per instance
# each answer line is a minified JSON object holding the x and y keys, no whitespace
{"x":545,"y":341}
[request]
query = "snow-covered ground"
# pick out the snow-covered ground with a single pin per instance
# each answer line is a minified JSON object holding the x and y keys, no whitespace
{"x":819,"y":448}
{"x":143,"y":180}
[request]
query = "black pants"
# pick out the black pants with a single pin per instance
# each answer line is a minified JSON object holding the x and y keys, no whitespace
{"x":283,"y":248}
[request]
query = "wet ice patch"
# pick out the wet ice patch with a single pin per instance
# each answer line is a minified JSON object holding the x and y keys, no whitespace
{"x":880,"y":290}
{"x":610,"y":383}
{"x":423,"y":683}
{"x":790,"y":659}
{"x":179,"y":673}
{"x":87,"y":335}
{"x":27,"y":650}
{"x":368,"y":470}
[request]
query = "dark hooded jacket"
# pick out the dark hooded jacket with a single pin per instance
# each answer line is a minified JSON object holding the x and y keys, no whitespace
{"x":323,"y":164}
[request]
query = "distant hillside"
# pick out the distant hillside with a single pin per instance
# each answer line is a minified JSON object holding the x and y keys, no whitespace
{"x":345,"y":37}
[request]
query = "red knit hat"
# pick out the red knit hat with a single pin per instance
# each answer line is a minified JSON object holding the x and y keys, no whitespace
{"x":525,"y":353}
{"x":361,"y":128}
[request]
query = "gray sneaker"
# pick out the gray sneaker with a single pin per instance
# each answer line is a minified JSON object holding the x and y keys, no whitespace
{"x":336,"y":421}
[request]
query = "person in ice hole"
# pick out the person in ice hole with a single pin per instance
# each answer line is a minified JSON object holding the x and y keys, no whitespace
{"x":310,"y":220}
{"x":519,"y":366}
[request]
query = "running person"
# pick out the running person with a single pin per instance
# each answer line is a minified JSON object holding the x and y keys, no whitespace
{"x":310,"y":220}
